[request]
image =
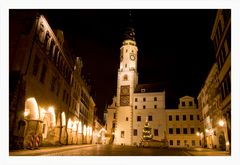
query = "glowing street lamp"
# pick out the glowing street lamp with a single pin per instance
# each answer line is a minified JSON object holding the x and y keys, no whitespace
{"x":221,"y":123}
{"x":198,"y":134}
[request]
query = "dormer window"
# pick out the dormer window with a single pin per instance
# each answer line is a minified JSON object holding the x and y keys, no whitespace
{"x":183,"y":104}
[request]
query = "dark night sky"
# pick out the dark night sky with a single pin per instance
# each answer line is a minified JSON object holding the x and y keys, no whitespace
{"x":174,"y":47}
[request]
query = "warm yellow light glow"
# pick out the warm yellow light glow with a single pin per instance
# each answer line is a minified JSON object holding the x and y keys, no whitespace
{"x":80,"y":127}
{"x":26,"y":113}
{"x":42,"y":113}
{"x":198,"y":133}
{"x":74,"y":128}
{"x":69,"y":124}
{"x":206,"y":130}
{"x":90,"y":131}
{"x":227,"y":143}
{"x":221,"y":123}
{"x":53,"y":117}
{"x":84,"y":130}
{"x":63,"y":119}
{"x":31,"y":107}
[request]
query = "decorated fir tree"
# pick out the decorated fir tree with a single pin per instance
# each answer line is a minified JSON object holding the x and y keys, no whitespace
{"x":147,"y":131}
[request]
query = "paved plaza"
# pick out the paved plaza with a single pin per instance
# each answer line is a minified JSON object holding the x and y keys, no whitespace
{"x":114,"y":150}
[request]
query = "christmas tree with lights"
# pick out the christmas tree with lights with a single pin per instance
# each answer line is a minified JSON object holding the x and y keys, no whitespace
{"x":147,"y":131}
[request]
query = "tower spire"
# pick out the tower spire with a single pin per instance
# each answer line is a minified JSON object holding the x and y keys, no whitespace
{"x":129,"y":33}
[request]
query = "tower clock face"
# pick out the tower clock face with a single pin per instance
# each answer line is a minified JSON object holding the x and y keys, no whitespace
{"x":125,"y":90}
{"x":124,"y":100}
{"x":132,"y":57}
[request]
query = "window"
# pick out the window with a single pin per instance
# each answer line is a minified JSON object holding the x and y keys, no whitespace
{"x":114,"y":116}
{"x":155,"y":106}
{"x":178,"y":142}
{"x":197,"y":117}
{"x":126,"y":118}
{"x":192,"y":130}
{"x":155,"y":132}
{"x":138,"y":118}
{"x":155,"y":98}
{"x":136,"y":99}
{"x":143,"y":90}
{"x":190,"y":103}
{"x":149,"y":118}
{"x":113,"y":125}
{"x":125,"y":65}
{"x":144,"y":99}
{"x":43,"y":73}
{"x":125,"y":77}
{"x":177,"y":130}
{"x":177,"y":117}
{"x":183,"y":104}
{"x":36,"y":65}
{"x":171,"y":142}
{"x":122,"y":134}
{"x":135,"y":132}
{"x":170,"y":117}
{"x":184,"y":117}
{"x":184,"y":130}
{"x":135,"y":107}
{"x":193,"y":142}
{"x":191,"y":117}
{"x":144,"y":107}
{"x":170,"y":130}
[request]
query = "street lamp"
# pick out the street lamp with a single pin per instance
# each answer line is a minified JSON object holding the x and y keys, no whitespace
{"x":221,"y":123}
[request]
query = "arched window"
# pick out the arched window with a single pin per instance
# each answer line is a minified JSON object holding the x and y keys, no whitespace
{"x":125,"y":77}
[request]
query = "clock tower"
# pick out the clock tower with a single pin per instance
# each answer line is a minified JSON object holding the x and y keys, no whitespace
{"x":126,"y":83}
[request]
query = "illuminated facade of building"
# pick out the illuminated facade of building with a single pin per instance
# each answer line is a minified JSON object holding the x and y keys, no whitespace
{"x":49,"y":102}
{"x":220,"y":92}
{"x":183,"y":125}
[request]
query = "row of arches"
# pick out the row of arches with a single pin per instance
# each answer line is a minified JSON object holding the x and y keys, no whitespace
{"x":43,"y":127}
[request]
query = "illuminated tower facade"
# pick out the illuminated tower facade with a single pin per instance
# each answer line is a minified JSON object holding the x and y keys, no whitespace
{"x":126,"y":84}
